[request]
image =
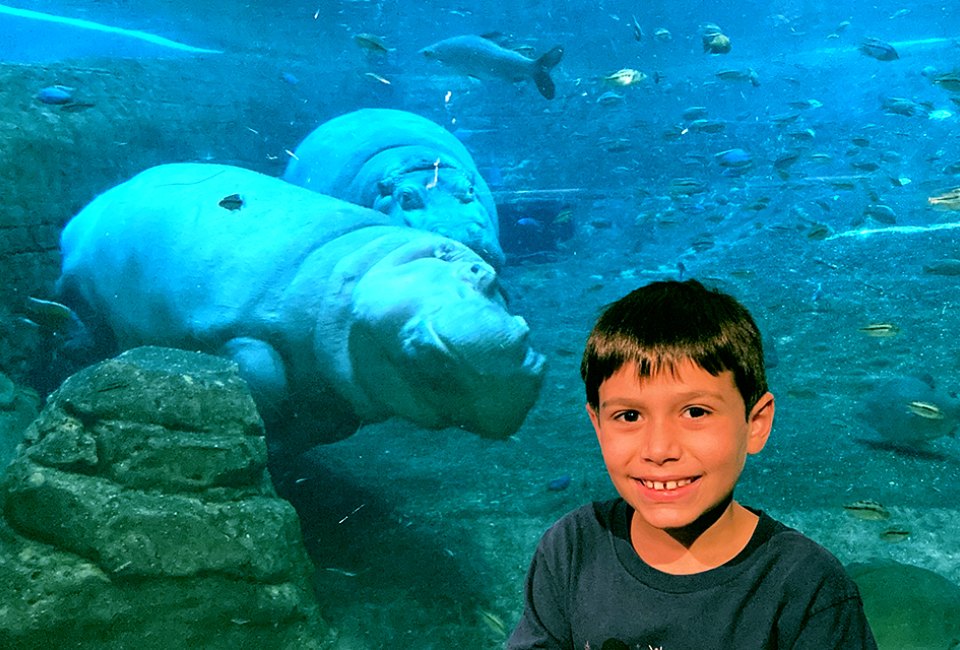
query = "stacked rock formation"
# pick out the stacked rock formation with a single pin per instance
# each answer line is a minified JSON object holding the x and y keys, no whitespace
{"x":139,"y":513}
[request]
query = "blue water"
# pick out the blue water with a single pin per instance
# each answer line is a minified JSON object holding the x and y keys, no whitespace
{"x":821,"y":224}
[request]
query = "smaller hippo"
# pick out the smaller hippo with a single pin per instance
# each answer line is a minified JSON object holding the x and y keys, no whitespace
{"x":405,"y":166}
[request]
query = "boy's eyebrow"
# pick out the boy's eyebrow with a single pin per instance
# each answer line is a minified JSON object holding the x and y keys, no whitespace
{"x":680,"y":397}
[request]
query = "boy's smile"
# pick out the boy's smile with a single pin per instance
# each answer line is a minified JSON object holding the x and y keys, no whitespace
{"x":675,"y":443}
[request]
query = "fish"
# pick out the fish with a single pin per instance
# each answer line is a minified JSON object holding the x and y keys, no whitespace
{"x":748,"y":74}
{"x":805,"y":104}
{"x":492,"y":621}
{"x":371,"y":42}
{"x":948,"y":81}
{"x":610,"y":98}
{"x":714,"y":40}
{"x":926,"y":410}
{"x":562,"y":482}
{"x":786,"y":160}
{"x":662,"y":35}
{"x":56,"y":95}
{"x":903,"y":106}
{"x":716,"y":44}
{"x":894,"y":535}
{"x":707,"y":126}
{"x":687,"y":187}
{"x":635,"y":27}
{"x":879,"y":50}
{"x":48,"y":314}
{"x":734,"y":158}
{"x":880,"y":330}
{"x":695,"y":113}
{"x":949,"y":266}
{"x":867,"y":509}
{"x":625,"y":77}
{"x":880,"y":212}
{"x":231,"y":203}
{"x":479,"y":57}
{"x":946,"y":201}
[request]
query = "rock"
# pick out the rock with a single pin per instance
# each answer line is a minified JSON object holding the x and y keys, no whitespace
{"x":139,"y":513}
{"x":18,"y":408}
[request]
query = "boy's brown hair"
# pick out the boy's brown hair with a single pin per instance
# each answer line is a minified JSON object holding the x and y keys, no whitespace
{"x":663,"y":323}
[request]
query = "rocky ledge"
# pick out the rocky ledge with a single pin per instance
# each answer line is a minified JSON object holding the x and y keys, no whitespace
{"x":138,"y":512}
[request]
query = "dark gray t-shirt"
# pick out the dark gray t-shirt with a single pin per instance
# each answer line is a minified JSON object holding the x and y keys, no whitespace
{"x":588,"y":589}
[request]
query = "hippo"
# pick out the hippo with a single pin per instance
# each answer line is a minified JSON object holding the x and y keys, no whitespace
{"x":405,"y":166}
{"x":335,"y":316}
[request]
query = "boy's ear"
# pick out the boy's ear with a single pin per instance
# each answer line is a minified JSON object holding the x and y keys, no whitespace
{"x":594,"y":418}
{"x":760,"y":422}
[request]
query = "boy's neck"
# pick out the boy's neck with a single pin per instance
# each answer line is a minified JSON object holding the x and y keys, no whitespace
{"x":675,"y":553}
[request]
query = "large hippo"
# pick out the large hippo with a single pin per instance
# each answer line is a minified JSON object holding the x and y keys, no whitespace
{"x":335,"y":316}
{"x":405,"y":166}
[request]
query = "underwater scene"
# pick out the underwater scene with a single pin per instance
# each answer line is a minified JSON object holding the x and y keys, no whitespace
{"x":398,"y":222}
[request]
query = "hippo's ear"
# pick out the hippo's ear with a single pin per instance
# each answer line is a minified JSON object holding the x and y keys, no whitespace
{"x":410,"y":197}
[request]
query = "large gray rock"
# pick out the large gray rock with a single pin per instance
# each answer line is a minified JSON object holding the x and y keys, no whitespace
{"x":139,"y":513}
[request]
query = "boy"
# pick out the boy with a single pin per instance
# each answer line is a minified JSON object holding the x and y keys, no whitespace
{"x":677,"y":394}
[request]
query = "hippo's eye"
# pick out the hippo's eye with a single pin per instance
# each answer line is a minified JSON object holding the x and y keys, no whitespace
{"x":410,"y":199}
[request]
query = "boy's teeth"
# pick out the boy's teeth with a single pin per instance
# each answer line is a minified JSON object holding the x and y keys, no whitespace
{"x":668,"y":485}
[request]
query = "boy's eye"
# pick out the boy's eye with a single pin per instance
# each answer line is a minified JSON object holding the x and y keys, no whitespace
{"x":627,"y":416}
{"x":696,"y":412}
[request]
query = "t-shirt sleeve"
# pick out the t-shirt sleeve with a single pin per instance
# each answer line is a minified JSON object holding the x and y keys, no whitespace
{"x":833,"y":617}
{"x":842,"y":626}
{"x":544,"y":624}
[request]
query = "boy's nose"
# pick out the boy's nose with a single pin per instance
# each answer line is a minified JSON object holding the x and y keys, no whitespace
{"x":660,"y":443}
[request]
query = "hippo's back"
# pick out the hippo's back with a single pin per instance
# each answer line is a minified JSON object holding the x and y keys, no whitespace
{"x":334,"y":153}
{"x":186,"y":248}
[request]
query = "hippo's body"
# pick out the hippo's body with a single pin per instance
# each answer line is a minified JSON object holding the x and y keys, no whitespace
{"x":405,"y":166}
{"x":334,"y":316}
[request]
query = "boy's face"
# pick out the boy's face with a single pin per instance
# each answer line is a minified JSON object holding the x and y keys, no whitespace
{"x":675,"y":443}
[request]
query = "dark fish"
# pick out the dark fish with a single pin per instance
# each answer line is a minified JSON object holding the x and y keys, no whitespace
{"x":371,"y":42}
{"x":232,"y":202}
{"x":560,"y":483}
{"x":76,"y":107}
{"x":902,"y":106}
{"x":948,"y":81}
{"x":695,"y":113}
{"x":747,"y":74}
{"x":880,"y":212}
{"x":481,"y":58}
{"x":784,"y":161}
{"x":947,"y":266}
{"x":879,"y":50}
{"x":50,"y":315}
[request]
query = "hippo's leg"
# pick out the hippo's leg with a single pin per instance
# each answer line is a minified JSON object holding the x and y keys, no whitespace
{"x":263,"y":370}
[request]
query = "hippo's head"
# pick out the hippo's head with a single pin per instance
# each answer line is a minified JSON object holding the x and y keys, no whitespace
{"x":450,"y":201}
{"x":432,"y":342}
